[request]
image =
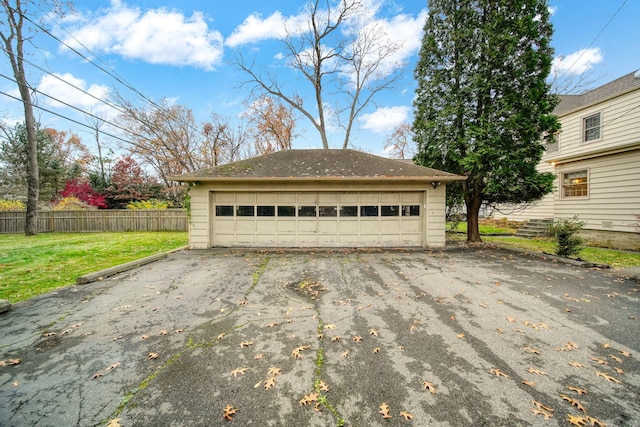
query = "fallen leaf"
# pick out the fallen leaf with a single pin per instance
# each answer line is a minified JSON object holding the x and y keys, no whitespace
{"x":599,"y":361}
{"x":568,"y":347}
{"x":297,"y":352}
{"x":460,"y":336}
{"x":357,"y":338}
{"x":574,"y":402}
{"x":323,"y":386}
{"x":407,"y":416}
{"x":98,"y":375}
{"x":237,"y":371}
{"x":345,"y":353}
{"x":576,"y":365}
{"x":309,"y":398}
{"x":270,"y":382}
{"x":577,"y":390}
{"x":273,"y":372}
{"x":163,"y":332}
{"x":258,"y":356}
{"x":606,"y":345}
{"x":373,"y":332}
{"x":595,"y":422}
{"x":541,"y":406}
{"x":220,"y":336}
{"x":14,"y":362}
{"x":376,"y":350}
{"x":608,"y":377}
{"x":15,"y":384}
{"x":499,"y":373}
{"x":115,"y":422}
{"x":616,"y":358}
{"x":144,"y":337}
{"x":272,"y":324}
{"x":624,"y":353}
{"x":529,"y":383}
{"x":152,"y":356}
{"x":336,"y":338}
{"x":384,"y":410}
{"x":426,"y":385}
{"x":577,"y":421}
{"x":618,"y":370}
{"x":500,"y":330}
{"x":246,"y":344}
{"x":112,"y":367}
{"x":228,"y":412}
{"x":536,"y":371}
{"x":532,"y":350}
{"x":330,"y":326}
{"x":537,"y":411}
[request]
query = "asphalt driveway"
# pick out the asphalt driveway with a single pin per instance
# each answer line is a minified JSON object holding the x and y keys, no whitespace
{"x":459,"y":337}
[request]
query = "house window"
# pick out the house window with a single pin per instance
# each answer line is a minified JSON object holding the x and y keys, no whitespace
{"x":591,"y":126}
{"x":575,"y":184}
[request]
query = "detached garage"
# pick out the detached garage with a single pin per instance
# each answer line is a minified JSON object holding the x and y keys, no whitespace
{"x":317,"y":198}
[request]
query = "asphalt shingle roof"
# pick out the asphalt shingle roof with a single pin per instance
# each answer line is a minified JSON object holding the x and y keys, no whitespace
{"x":318,"y":164}
{"x":620,"y":85}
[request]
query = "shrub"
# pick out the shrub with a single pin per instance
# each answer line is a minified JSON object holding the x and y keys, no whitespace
{"x":149,"y":204}
{"x":82,"y":190}
{"x":12,"y":205}
{"x":71,"y":203}
{"x":564,"y":230}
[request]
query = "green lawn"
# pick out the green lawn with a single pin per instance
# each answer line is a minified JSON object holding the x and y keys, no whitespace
{"x":30,"y":266}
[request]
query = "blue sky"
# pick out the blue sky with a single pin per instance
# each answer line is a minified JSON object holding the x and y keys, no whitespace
{"x":183,"y":51}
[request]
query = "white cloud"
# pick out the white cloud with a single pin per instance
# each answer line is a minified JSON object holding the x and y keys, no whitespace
{"x":83,"y":98}
{"x":157,"y":36}
{"x":577,"y":62}
{"x":385,"y":119}
{"x":255,"y":28}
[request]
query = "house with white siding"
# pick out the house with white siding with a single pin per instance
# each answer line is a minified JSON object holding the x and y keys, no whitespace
{"x":596,"y":160}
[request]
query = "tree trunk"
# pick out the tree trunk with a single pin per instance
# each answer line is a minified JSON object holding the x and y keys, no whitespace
{"x":473,"y":202}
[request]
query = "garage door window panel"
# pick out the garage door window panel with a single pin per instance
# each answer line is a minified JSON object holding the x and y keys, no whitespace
{"x":307,"y":211}
{"x":411,"y":210}
{"x":389,"y":210}
{"x":245,"y":211}
{"x":349,"y":211}
{"x":266,"y":211}
{"x":286,"y":211}
{"x":328,"y":211}
{"x":224,"y":210}
{"x":368,"y":211}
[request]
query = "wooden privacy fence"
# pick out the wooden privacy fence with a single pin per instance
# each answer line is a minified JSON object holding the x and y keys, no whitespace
{"x":98,"y":220}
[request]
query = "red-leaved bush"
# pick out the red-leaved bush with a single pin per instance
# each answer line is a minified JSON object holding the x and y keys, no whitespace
{"x":83,"y":191}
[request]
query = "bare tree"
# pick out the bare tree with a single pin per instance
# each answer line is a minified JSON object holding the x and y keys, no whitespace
{"x":399,"y":144}
{"x":342,"y":61}
{"x":12,"y":27}
{"x":272,"y":125}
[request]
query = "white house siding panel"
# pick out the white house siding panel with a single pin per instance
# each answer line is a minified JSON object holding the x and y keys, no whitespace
{"x":614,"y":193}
{"x":435,"y":222}
{"x":327,"y":231}
{"x":619,"y":121}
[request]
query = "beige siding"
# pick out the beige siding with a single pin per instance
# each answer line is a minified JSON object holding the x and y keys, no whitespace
{"x":614,"y":193}
{"x":435,"y":221}
{"x":620,"y":124}
{"x":199,"y":221}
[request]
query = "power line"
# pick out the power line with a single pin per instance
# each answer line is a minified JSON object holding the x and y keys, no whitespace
{"x":594,"y":40}
{"x":62,"y":116}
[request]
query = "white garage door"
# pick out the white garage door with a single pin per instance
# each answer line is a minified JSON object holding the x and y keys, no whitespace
{"x":310,"y":219}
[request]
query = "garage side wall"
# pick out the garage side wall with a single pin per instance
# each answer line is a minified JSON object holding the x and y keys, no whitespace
{"x":435,"y":221}
{"x":199,"y":218}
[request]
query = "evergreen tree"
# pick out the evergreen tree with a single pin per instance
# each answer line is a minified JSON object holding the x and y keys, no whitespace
{"x":483,"y":107}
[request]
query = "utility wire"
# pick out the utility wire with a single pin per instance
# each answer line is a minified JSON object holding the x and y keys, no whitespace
{"x":594,"y":40}
{"x":62,"y":116}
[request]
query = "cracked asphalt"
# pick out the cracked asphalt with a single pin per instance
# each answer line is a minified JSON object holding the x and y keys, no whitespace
{"x":457,"y":337}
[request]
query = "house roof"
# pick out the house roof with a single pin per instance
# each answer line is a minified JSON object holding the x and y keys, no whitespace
{"x":318,"y":165}
{"x":569,"y":103}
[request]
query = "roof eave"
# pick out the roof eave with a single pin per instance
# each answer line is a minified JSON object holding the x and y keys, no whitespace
{"x":226,"y":180}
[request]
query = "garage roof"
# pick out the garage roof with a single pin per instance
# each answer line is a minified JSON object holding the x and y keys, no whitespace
{"x":318,"y":165}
